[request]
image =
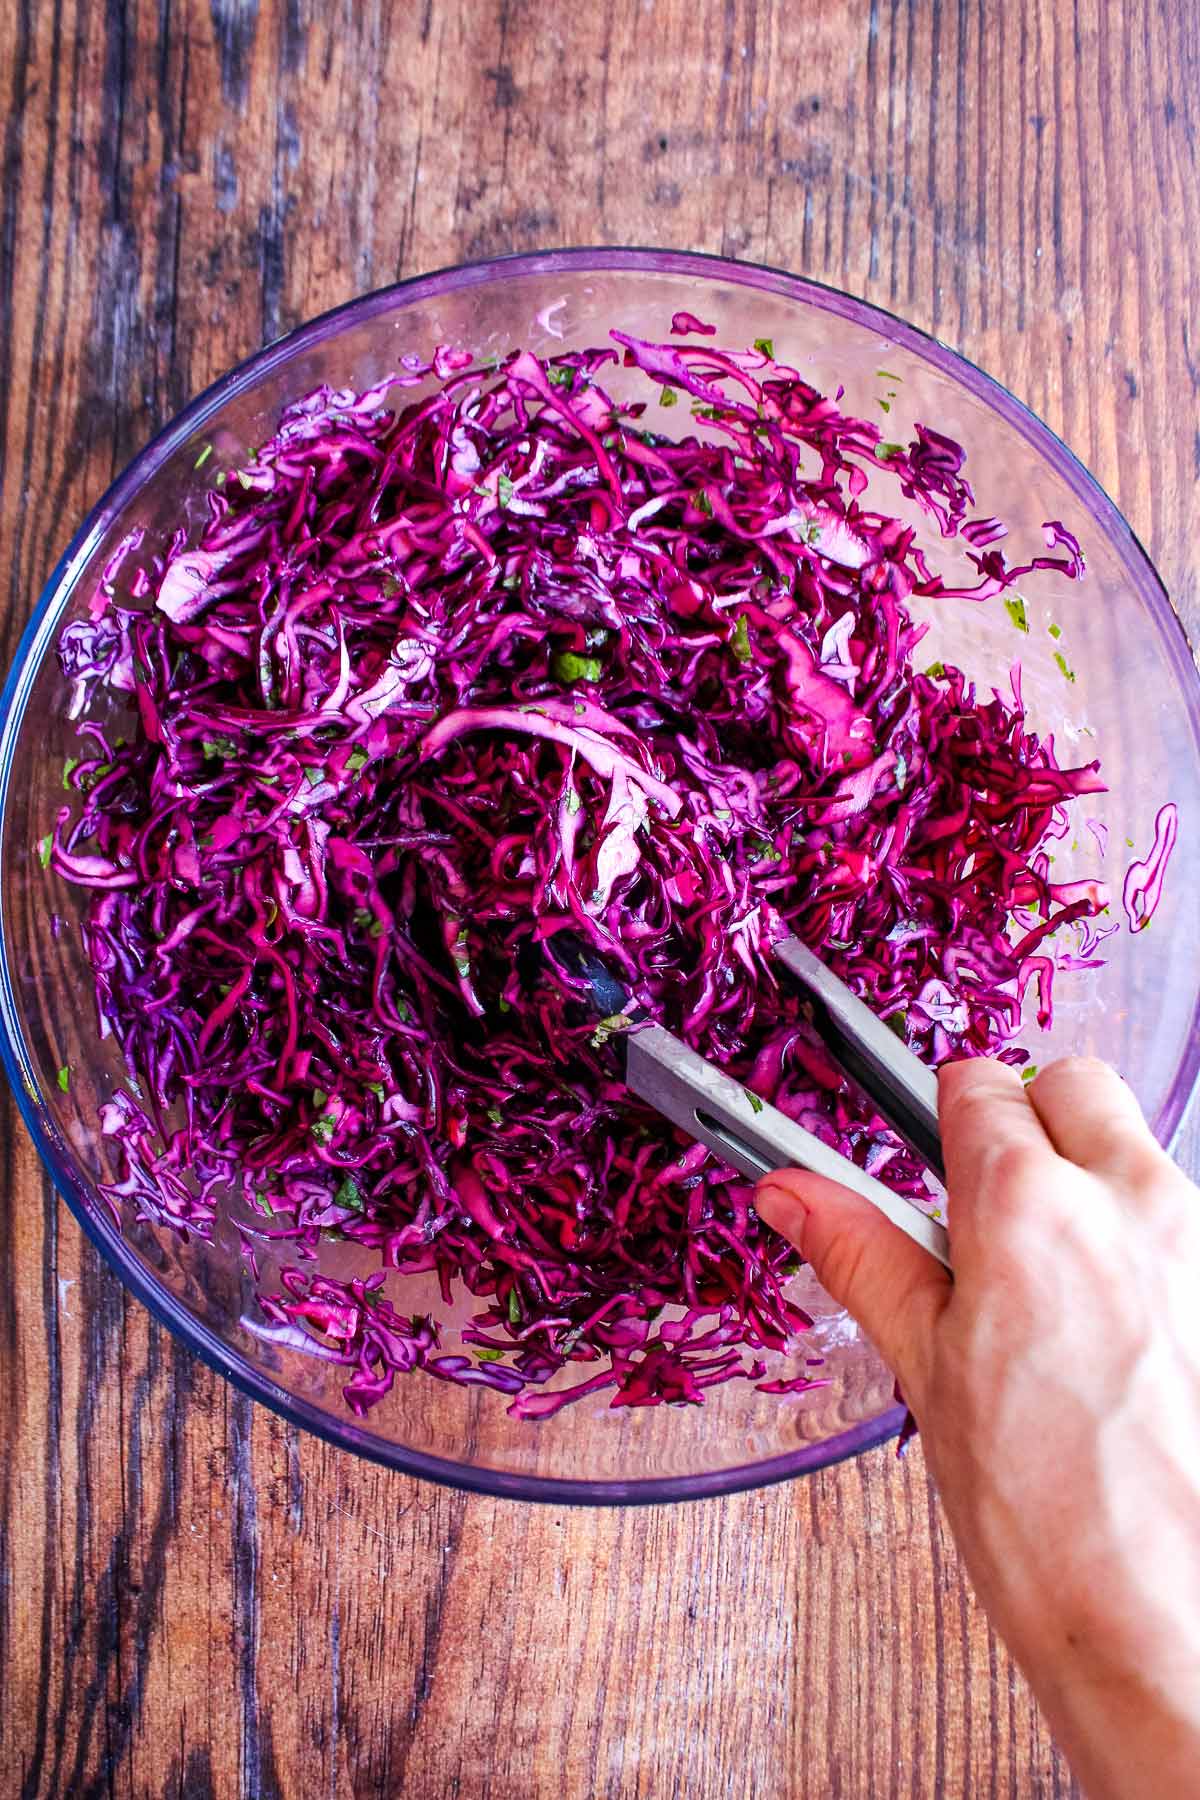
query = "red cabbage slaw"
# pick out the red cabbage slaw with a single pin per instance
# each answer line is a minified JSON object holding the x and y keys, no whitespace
{"x":440,"y":679}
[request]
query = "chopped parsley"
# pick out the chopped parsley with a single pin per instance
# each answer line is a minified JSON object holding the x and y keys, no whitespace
{"x":765,"y":347}
{"x":64,"y":1077}
{"x":570,"y":667}
{"x":606,"y":1027}
{"x":741,"y":639}
{"x":1015,"y":608}
{"x":349,"y":1194}
{"x":1063,"y":664}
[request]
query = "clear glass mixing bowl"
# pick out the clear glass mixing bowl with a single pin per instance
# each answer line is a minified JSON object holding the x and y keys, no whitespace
{"x":1136,"y":688}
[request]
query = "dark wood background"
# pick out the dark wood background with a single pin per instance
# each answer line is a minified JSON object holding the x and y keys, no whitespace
{"x":194,"y":1600}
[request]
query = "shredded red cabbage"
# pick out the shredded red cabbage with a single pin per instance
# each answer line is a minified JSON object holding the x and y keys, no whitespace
{"x":438,"y":680}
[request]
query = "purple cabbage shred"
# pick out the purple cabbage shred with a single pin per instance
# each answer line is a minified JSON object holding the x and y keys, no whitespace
{"x":445,"y":673}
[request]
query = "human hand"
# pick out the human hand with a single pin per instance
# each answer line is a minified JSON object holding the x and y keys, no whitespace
{"x":1056,"y":1383}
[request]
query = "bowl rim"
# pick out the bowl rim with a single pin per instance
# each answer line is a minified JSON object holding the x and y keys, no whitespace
{"x":34,"y":642}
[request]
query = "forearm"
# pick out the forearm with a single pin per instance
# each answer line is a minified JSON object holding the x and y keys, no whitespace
{"x":1127,"y":1736}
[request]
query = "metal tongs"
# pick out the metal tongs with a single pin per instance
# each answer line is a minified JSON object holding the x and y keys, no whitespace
{"x":756,"y":1138}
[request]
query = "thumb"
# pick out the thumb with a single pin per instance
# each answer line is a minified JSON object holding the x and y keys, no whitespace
{"x":894,"y":1289}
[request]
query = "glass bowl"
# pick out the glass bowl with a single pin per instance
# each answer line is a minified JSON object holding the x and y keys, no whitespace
{"x":1135,"y":687}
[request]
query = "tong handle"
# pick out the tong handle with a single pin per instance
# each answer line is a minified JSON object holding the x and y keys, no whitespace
{"x":899,"y":1083}
{"x":751,"y":1135}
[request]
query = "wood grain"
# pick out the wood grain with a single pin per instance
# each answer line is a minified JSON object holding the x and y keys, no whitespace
{"x":194,"y":1600}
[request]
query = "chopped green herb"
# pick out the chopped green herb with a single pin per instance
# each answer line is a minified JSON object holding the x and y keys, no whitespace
{"x":377,"y":1088}
{"x":765,"y":347}
{"x":756,"y":1105}
{"x":504,"y":1005}
{"x":573,"y":801}
{"x":244,"y":478}
{"x":1063,"y":664}
{"x":263,"y":1202}
{"x":203,"y":456}
{"x":668,"y":397}
{"x":72,"y":762}
{"x":64,"y":1077}
{"x":741,"y":639}
{"x":1028,"y":1072}
{"x":44,"y":847}
{"x":1055,"y":631}
{"x":569,"y":667}
{"x":504,"y":490}
{"x":320,"y":1097}
{"x":884,"y":451}
{"x":216,"y":748}
{"x":314,"y":774}
{"x":514,"y":1307}
{"x":357,"y":759}
{"x":323,"y":1128}
{"x":887,"y":375}
{"x":936,"y":670}
{"x":885,"y":406}
{"x":559,"y":375}
{"x":701,"y":502}
{"x":606,"y":1027}
{"x":495,"y":1115}
{"x":897,"y":1024}
{"x":485,"y":1353}
{"x":349,"y":1194}
{"x":1015,"y":608}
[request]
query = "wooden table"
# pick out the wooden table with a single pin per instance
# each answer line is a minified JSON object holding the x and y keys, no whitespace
{"x":196,"y":1601}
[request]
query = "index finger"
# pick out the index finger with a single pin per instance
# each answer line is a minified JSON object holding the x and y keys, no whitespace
{"x":992,"y":1143}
